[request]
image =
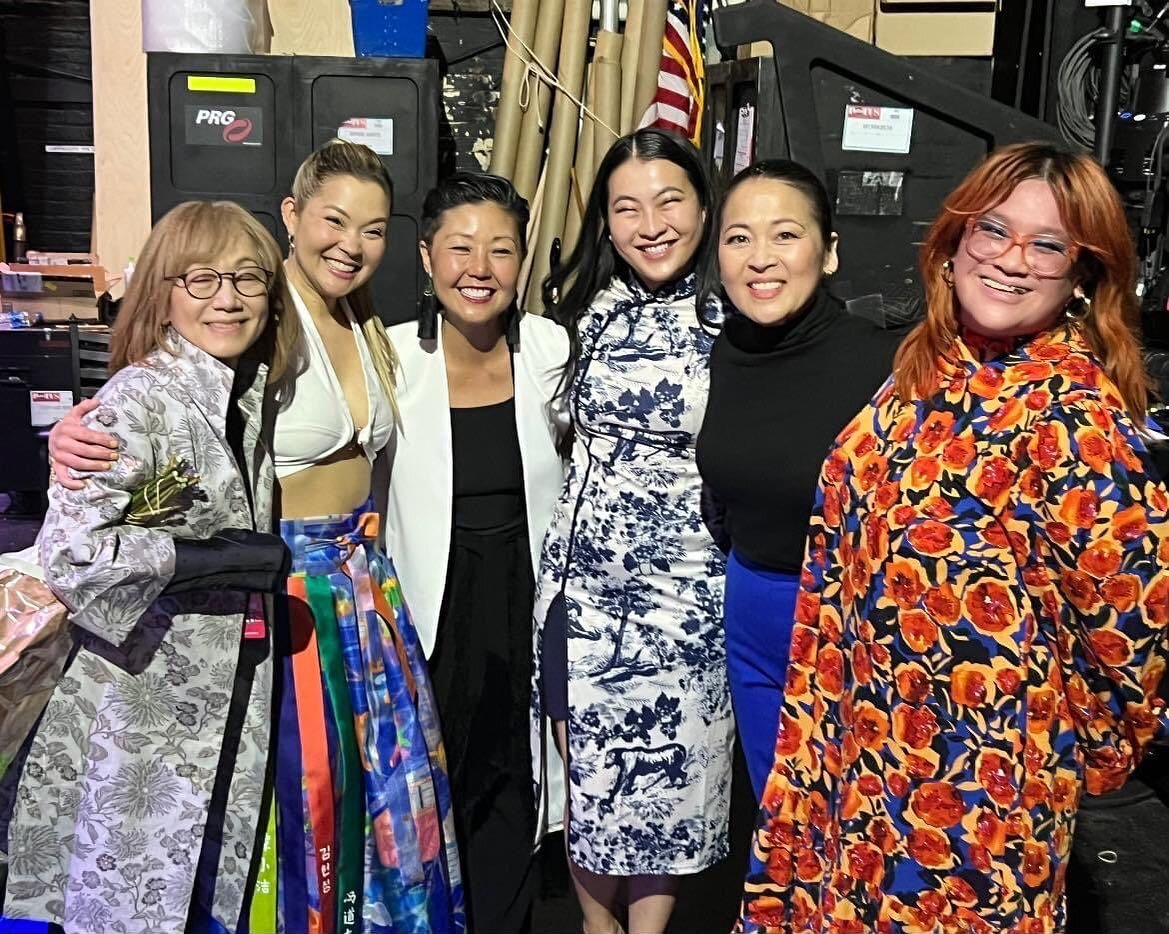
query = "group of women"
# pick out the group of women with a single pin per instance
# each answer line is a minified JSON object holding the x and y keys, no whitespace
{"x":970,"y":632}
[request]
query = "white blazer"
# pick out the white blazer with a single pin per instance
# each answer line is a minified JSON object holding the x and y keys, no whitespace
{"x":419,"y":509}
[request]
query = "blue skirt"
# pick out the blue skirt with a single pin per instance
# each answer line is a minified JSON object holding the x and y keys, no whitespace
{"x":758,"y":614}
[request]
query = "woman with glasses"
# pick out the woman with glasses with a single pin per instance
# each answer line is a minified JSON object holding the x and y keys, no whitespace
{"x":360,"y":826}
{"x":981,"y":623}
{"x":141,"y":789}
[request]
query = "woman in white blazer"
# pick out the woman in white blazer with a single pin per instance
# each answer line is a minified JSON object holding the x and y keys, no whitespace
{"x":474,"y":478}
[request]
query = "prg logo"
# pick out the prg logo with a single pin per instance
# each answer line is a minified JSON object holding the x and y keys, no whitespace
{"x":236,"y":129}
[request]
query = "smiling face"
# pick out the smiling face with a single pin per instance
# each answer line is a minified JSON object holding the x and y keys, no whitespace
{"x":1003,"y":297}
{"x":226,"y":324}
{"x":474,"y":261}
{"x":771,"y":252}
{"x":339,"y":235}
{"x":655,"y":219}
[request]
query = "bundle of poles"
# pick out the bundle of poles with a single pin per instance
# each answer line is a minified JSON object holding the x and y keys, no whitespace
{"x":544,"y":142}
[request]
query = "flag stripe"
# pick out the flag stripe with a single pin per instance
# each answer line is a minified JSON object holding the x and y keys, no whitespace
{"x":678,"y":101}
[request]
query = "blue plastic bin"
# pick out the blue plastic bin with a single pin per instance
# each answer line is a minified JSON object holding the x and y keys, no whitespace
{"x":393,"y":28}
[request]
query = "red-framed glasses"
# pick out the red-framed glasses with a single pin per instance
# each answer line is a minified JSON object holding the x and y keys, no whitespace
{"x":1045,"y":256}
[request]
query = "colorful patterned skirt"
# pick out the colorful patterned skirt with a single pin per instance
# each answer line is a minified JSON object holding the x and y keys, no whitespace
{"x":361,"y":837}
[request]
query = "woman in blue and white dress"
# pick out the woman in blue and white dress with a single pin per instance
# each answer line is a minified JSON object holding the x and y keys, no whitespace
{"x":629,"y":601}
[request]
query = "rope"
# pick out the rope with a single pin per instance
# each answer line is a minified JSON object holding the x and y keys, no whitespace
{"x":534,"y":69}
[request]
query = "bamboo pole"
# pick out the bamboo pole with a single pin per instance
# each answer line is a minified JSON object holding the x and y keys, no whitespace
{"x":533,"y":131}
{"x":582,"y":171}
{"x":536,"y":207}
{"x":629,"y":49}
{"x":508,"y":114}
{"x":607,"y":105}
{"x":649,"y":57}
{"x":565,"y":120}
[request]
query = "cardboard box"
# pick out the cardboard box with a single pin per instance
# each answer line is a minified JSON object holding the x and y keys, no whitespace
{"x":57,"y":293}
{"x":854,"y":17}
{"x":967,"y":28}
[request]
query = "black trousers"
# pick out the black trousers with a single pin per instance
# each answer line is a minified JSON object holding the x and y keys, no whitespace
{"x":1118,"y":877}
{"x":481,"y":672}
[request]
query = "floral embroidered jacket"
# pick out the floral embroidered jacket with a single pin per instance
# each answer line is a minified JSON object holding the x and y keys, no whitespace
{"x":114,"y":796}
{"x":979,"y":635}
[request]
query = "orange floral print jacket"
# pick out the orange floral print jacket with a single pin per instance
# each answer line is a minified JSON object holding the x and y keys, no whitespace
{"x":980,"y":633}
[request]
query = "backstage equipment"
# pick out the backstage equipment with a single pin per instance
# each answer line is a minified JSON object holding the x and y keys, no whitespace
{"x":237,"y":127}
{"x":43,"y":372}
{"x":1109,"y":94}
{"x":890,"y":139}
{"x":1131,"y":145}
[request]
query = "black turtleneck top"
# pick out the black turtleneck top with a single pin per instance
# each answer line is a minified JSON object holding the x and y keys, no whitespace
{"x":779,"y":395}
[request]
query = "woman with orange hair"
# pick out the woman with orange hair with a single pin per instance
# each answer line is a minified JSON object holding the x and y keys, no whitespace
{"x":981,"y":624}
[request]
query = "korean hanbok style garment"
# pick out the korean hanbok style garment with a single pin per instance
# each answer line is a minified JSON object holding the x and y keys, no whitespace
{"x":362,"y":836}
{"x":633,"y":568}
{"x":980,"y":635}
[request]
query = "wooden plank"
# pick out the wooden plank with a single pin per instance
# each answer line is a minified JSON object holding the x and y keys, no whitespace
{"x":311,"y":27}
{"x":121,"y":217}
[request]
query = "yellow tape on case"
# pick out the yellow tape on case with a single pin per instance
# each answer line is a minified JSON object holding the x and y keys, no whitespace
{"x":222,"y":85}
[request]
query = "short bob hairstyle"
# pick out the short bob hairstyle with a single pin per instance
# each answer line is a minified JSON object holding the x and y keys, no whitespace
{"x":194,"y":233}
{"x":1105,"y":269}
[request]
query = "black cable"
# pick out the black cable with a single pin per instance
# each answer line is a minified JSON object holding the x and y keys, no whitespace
{"x":1072,"y":107}
{"x":1077,"y":81}
{"x":1157,"y":18}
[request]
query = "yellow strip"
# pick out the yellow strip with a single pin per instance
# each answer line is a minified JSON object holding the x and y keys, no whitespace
{"x":224,"y":85}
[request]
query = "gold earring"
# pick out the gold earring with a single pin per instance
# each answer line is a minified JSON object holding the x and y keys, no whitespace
{"x":1078,"y":309}
{"x":948,"y":272}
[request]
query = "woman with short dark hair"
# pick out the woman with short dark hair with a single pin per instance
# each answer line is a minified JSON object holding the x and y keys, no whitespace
{"x":474,"y":476}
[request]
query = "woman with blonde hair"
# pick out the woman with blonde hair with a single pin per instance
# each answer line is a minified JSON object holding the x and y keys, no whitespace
{"x":981,"y":624}
{"x":140,"y":791}
{"x":361,"y":828}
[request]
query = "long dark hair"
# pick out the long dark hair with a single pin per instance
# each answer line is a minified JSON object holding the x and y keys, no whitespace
{"x":570,"y":290}
{"x":801,"y":178}
{"x":470,"y":188}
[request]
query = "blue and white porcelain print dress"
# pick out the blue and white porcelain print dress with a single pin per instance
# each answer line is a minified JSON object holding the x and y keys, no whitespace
{"x":650,"y":724}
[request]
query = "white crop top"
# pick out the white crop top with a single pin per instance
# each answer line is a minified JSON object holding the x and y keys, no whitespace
{"x":314,"y":421}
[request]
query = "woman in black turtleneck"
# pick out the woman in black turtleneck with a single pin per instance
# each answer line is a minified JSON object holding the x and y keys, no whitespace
{"x":787,"y":373}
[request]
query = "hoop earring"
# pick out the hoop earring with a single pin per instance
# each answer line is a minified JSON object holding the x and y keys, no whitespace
{"x":1078,"y":309}
{"x":428,"y":313}
{"x":948,"y":272}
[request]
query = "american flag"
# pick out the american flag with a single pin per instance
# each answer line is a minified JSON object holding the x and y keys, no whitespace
{"x":677,"y":104}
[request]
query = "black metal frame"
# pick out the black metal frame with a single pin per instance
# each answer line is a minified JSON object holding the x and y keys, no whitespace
{"x":1022,"y":55}
{"x":800,"y":42}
